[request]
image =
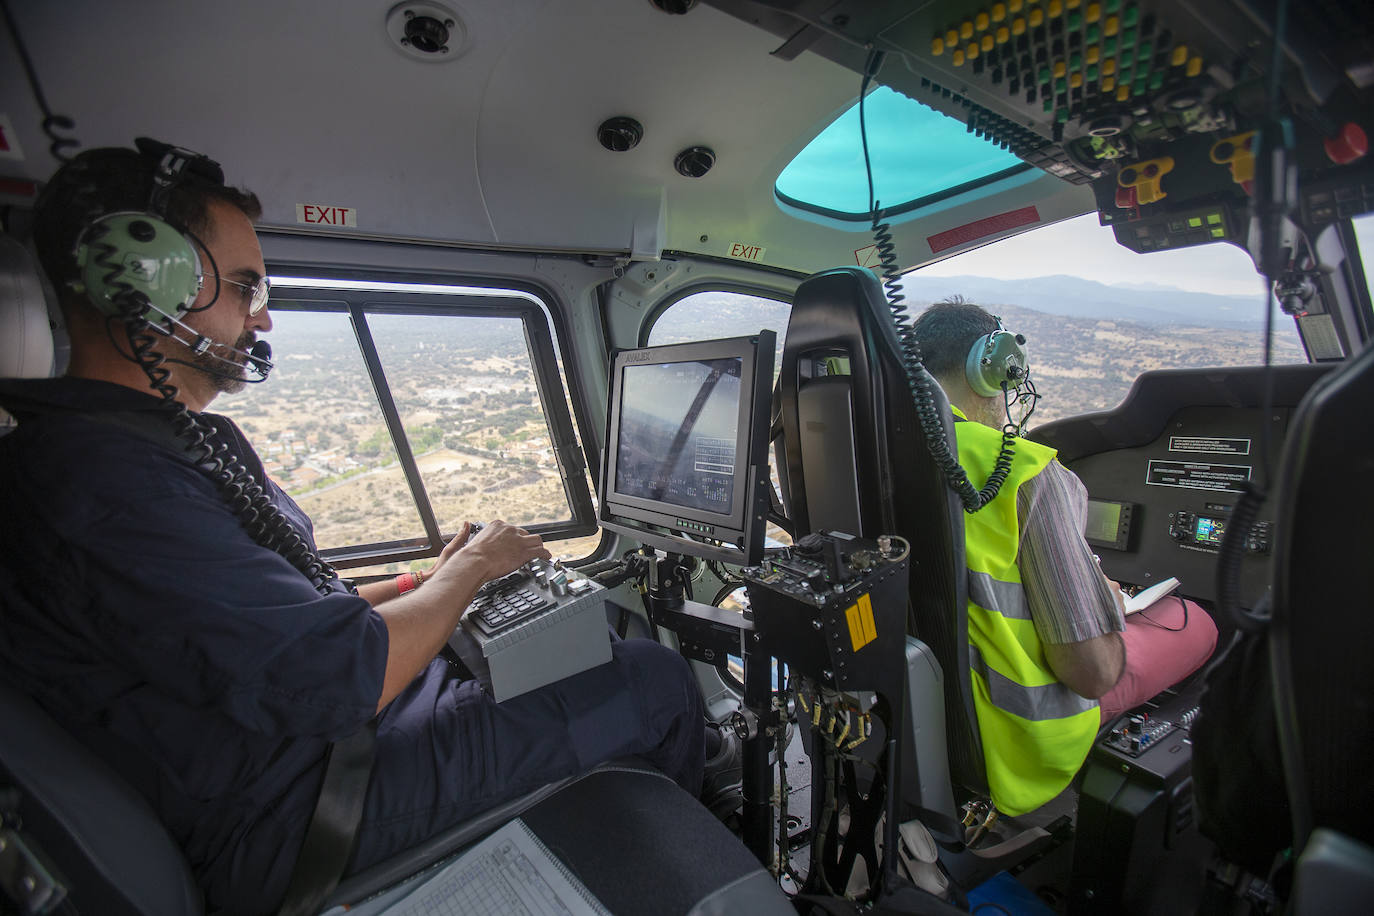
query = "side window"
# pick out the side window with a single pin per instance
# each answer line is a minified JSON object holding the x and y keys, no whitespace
{"x":718,"y":313}
{"x":393,"y":416}
{"x":1364,"y":235}
{"x":1096,"y":315}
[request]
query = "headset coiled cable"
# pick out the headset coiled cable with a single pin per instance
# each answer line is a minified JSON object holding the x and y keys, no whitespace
{"x":920,"y":384}
{"x":918,"y":378}
{"x":245,"y":497}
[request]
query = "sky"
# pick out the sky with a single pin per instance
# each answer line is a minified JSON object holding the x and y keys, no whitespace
{"x":1220,"y":268}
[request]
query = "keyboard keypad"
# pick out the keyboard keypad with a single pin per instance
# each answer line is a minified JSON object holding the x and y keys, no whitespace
{"x":503,"y":609}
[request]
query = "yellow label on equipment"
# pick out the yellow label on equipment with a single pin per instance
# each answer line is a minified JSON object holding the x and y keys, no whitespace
{"x":860,"y":617}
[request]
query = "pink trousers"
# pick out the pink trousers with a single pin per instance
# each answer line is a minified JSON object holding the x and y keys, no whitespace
{"x":1165,"y":643}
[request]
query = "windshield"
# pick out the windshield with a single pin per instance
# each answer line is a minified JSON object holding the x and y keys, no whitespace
{"x":1096,"y":315}
{"x":918,"y":155}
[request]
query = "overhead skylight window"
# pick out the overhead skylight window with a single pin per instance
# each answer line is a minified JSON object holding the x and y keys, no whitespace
{"x":919,"y":156}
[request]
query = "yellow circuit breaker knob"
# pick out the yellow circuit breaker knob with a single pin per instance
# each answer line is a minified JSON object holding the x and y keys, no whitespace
{"x":1147,"y":178}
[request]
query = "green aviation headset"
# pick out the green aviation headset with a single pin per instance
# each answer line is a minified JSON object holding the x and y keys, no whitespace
{"x":127,"y":257}
{"x":996,"y":362}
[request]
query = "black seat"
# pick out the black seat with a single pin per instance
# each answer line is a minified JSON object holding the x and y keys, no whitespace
{"x":852,"y":458}
{"x":113,"y":853}
{"x":1322,"y":638}
{"x":667,"y":853}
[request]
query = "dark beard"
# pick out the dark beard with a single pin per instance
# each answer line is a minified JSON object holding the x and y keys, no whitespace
{"x":224,"y":378}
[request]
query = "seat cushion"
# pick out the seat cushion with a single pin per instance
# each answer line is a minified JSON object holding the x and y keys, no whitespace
{"x":638,"y":842}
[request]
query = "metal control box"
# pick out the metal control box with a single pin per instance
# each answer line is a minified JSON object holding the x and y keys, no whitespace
{"x":567,"y":639}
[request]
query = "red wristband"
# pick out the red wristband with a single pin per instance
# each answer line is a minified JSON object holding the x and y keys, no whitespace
{"x":406,"y":582}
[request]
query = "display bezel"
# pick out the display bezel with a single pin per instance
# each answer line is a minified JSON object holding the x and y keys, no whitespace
{"x":733,"y":536}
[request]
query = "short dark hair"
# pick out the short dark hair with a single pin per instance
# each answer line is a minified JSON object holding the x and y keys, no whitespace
{"x":947,"y":330}
{"x":113,"y":179}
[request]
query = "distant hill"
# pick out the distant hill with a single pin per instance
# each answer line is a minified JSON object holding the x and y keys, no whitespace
{"x":1149,"y":303}
{"x":1088,"y":341}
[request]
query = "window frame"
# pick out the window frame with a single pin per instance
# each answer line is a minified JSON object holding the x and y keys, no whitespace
{"x":909,"y":206}
{"x":659,"y":308}
{"x":357,"y":304}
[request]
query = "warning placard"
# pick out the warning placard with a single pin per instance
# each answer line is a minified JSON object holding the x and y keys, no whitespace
{"x":1211,"y":445}
{"x":1191,"y":475}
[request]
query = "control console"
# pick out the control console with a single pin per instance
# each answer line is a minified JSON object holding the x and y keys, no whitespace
{"x":534,"y":626}
{"x":537,"y":586}
{"x":833,"y":607}
{"x":1141,"y":731}
{"x":1205,"y":531}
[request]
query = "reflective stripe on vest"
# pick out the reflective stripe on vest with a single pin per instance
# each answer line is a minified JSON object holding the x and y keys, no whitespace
{"x":1047,"y":701}
{"x":1036,"y":732}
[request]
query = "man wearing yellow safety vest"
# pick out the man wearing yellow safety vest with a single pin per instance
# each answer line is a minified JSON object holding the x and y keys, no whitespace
{"x":1053,"y":657}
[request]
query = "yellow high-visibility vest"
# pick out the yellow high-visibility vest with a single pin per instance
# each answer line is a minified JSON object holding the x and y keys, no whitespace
{"x":1036,"y":731}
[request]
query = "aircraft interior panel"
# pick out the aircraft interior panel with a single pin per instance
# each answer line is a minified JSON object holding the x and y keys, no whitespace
{"x":1165,"y":470}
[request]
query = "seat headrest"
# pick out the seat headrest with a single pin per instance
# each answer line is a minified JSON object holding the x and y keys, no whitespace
{"x":26,"y":335}
{"x":26,"y":340}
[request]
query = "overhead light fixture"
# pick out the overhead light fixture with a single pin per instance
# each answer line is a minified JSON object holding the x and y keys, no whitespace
{"x":426,"y":31}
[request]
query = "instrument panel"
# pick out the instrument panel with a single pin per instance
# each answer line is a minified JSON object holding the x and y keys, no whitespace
{"x":1165,"y":469}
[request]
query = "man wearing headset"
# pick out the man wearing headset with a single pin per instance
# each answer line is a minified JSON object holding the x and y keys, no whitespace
{"x":210,"y":669}
{"x":1052,"y":655}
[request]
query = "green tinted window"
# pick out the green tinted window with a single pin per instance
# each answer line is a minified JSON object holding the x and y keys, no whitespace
{"x":918,"y":154}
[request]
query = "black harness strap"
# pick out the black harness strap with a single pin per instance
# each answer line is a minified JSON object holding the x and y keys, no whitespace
{"x":333,"y":830}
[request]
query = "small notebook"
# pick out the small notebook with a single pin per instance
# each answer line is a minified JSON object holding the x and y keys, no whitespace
{"x":510,"y":873}
{"x":1141,"y":600}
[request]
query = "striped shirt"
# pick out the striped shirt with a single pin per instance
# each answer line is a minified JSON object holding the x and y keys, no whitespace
{"x":1068,"y":595}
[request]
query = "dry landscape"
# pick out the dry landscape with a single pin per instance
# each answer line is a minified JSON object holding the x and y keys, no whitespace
{"x":467,"y":398}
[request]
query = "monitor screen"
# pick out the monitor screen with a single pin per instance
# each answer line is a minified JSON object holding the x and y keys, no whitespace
{"x":686,"y":465}
{"x":1209,"y":530}
{"x":1103,"y":519}
{"x":1108,"y":523}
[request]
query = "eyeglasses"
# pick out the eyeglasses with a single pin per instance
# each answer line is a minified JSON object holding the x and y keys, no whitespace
{"x":256,"y":292}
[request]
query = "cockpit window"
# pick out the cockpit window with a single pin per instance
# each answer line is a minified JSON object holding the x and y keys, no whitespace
{"x":1097,"y":315}
{"x":429,"y":406}
{"x":919,"y":156}
{"x":1364,"y":234}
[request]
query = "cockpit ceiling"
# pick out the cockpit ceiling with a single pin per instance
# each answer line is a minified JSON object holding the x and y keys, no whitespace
{"x":310,"y":103}
{"x":339,"y":130}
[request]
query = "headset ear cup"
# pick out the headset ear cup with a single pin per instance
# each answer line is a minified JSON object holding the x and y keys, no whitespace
{"x":977,"y":365}
{"x":995,"y":360}
{"x":132,"y":254}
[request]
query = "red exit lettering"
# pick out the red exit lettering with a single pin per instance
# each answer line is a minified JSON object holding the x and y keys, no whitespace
{"x":747,"y":252}
{"x":319,"y":215}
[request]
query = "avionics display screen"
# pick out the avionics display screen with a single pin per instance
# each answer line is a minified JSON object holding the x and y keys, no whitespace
{"x":1103,"y":519}
{"x":1209,"y":530}
{"x":1108,"y":524}
{"x":679,"y":424}
{"x":685,"y":467}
